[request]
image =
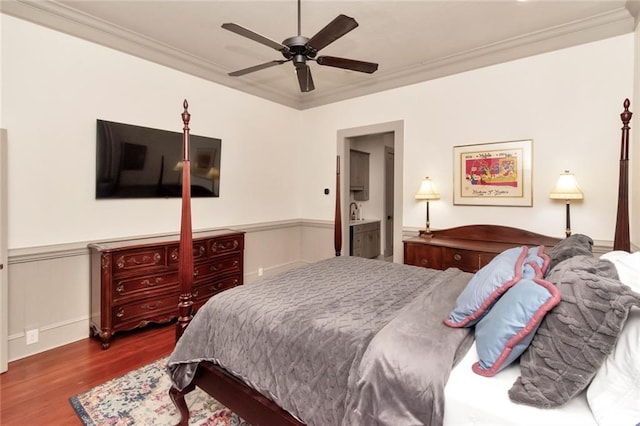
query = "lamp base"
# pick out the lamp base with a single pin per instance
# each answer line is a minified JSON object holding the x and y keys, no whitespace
{"x":425,"y":233}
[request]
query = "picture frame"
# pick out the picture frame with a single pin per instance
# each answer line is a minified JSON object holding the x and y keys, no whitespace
{"x":493,"y":174}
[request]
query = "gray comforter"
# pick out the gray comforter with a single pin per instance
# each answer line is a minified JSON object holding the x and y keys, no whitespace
{"x":344,"y":341}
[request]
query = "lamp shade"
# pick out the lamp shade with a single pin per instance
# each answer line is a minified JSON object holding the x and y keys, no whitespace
{"x":566,"y":188}
{"x":426,"y":191}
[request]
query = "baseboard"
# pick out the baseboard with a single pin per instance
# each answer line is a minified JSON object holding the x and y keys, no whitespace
{"x":50,"y":336}
{"x":251,"y":277}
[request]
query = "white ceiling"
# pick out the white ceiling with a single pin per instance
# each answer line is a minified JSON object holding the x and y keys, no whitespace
{"x":412,"y":41}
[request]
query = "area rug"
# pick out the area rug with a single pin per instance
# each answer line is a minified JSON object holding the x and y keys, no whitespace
{"x":141,"y":397}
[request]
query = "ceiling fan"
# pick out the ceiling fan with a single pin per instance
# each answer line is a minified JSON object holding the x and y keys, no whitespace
{"x":300,"y":49}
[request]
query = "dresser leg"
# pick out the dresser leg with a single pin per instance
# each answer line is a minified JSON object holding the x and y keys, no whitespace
{"x":105,"y":337}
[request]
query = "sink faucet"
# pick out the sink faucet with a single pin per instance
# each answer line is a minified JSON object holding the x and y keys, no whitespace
{"x":353,"y":207}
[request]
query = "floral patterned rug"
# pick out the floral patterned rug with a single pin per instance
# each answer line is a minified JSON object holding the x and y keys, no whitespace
{"x":141,"y":397}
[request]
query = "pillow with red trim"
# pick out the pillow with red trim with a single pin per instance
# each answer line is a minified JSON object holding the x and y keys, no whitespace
{"x":506,"y":331}
{"x":492,"y":281}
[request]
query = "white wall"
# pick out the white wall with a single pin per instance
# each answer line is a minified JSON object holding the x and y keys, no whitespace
{"x":567,"y":101}
{"x":54,"y":87}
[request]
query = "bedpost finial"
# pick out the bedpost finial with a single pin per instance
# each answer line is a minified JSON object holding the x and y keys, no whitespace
{"x":625,"y":116}
{"x":185,"y":115}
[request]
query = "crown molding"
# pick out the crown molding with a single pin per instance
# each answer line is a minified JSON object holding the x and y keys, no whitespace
{"x":65,"y":19}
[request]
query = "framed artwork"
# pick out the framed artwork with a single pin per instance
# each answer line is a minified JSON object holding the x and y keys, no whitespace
{"x":493,"y":174}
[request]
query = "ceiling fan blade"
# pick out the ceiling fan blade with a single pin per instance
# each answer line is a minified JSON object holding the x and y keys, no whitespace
{"x":347,"y":64}
{"x":305,"y":79}
{"x":335,"y":29}
{"x":254,"y":36}
{"x":256,"y":68}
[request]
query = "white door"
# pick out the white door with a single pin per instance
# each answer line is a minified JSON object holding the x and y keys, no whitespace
{"x":4,"y":282}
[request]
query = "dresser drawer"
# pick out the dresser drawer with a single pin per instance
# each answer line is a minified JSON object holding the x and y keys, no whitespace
{"x":145,"y":285}
{"x":160,"y":309}
{"x":465,"y":260}
{"x":423,"y":255}
{"x":225,"y":245}
{"x":199,"y":252}
{"x":223,"y":265}
{"x":202,"y":293}
{"x":138,"y":259}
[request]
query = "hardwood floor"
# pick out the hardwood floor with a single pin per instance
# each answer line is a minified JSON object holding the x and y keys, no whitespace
{"x":36,"y":390}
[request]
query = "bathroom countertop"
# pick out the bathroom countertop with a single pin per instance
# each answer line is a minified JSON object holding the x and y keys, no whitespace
{"x":362,"y":221}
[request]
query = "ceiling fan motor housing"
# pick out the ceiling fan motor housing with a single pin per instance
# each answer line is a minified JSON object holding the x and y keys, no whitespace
{"x":298,"y":50}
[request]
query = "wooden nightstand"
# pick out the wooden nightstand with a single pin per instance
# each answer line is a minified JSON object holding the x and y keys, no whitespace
{"x":468,"y":248}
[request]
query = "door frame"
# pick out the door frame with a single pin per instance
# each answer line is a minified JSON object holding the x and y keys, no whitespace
{"x":388,"y":194}
{"x":4,"y":275}
{"x":343,"y":146}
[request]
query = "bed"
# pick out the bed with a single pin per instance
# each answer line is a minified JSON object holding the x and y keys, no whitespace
{"x":320,"y":350}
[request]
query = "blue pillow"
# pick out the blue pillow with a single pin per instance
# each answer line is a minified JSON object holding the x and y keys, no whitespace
{"x":537,"y":256}
{"x":486,"y":286}
{"x":506,"y":331}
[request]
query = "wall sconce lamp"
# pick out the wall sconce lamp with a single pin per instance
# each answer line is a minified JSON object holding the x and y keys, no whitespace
{"x":427,"y":192}
{"x":567,"y":189}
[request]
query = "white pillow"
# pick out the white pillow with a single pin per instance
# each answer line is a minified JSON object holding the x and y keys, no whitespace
{"x":614,"y":393}
{"x":628,"y":267}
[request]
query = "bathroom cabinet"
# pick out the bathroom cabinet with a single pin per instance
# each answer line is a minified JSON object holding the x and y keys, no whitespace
{"x":365,"y":239}
{"x":359,"y":174}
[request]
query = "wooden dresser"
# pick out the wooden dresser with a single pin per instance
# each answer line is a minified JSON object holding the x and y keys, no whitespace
{"x":135,"y":282}
{"x":468,"y":248}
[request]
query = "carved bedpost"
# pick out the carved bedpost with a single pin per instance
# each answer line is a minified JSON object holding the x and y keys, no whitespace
{"x":337,"y":225}
{"x":185,"y":266}
{"x":621,"y":240}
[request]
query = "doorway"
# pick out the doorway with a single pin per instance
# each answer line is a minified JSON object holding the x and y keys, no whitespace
{"x":391,"y":135}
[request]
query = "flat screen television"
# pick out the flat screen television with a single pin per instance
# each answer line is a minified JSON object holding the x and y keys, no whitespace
{"x":140,"y":162}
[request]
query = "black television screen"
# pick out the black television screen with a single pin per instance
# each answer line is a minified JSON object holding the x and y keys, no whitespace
{"x":140,"y":162}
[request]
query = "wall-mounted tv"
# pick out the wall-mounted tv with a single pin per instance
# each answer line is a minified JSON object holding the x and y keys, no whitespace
{"x":140,"y":162}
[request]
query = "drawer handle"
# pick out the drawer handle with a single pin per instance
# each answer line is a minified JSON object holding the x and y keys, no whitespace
{"x":229,"y":245}
{"x":424,"y":261}
{"x":148,"y":283}
{"x":120,"y":289}
{"x":457,"y":257}
{"x":195,"y":293}
{"x":151,"y":306}
{"x":120,"y":313}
